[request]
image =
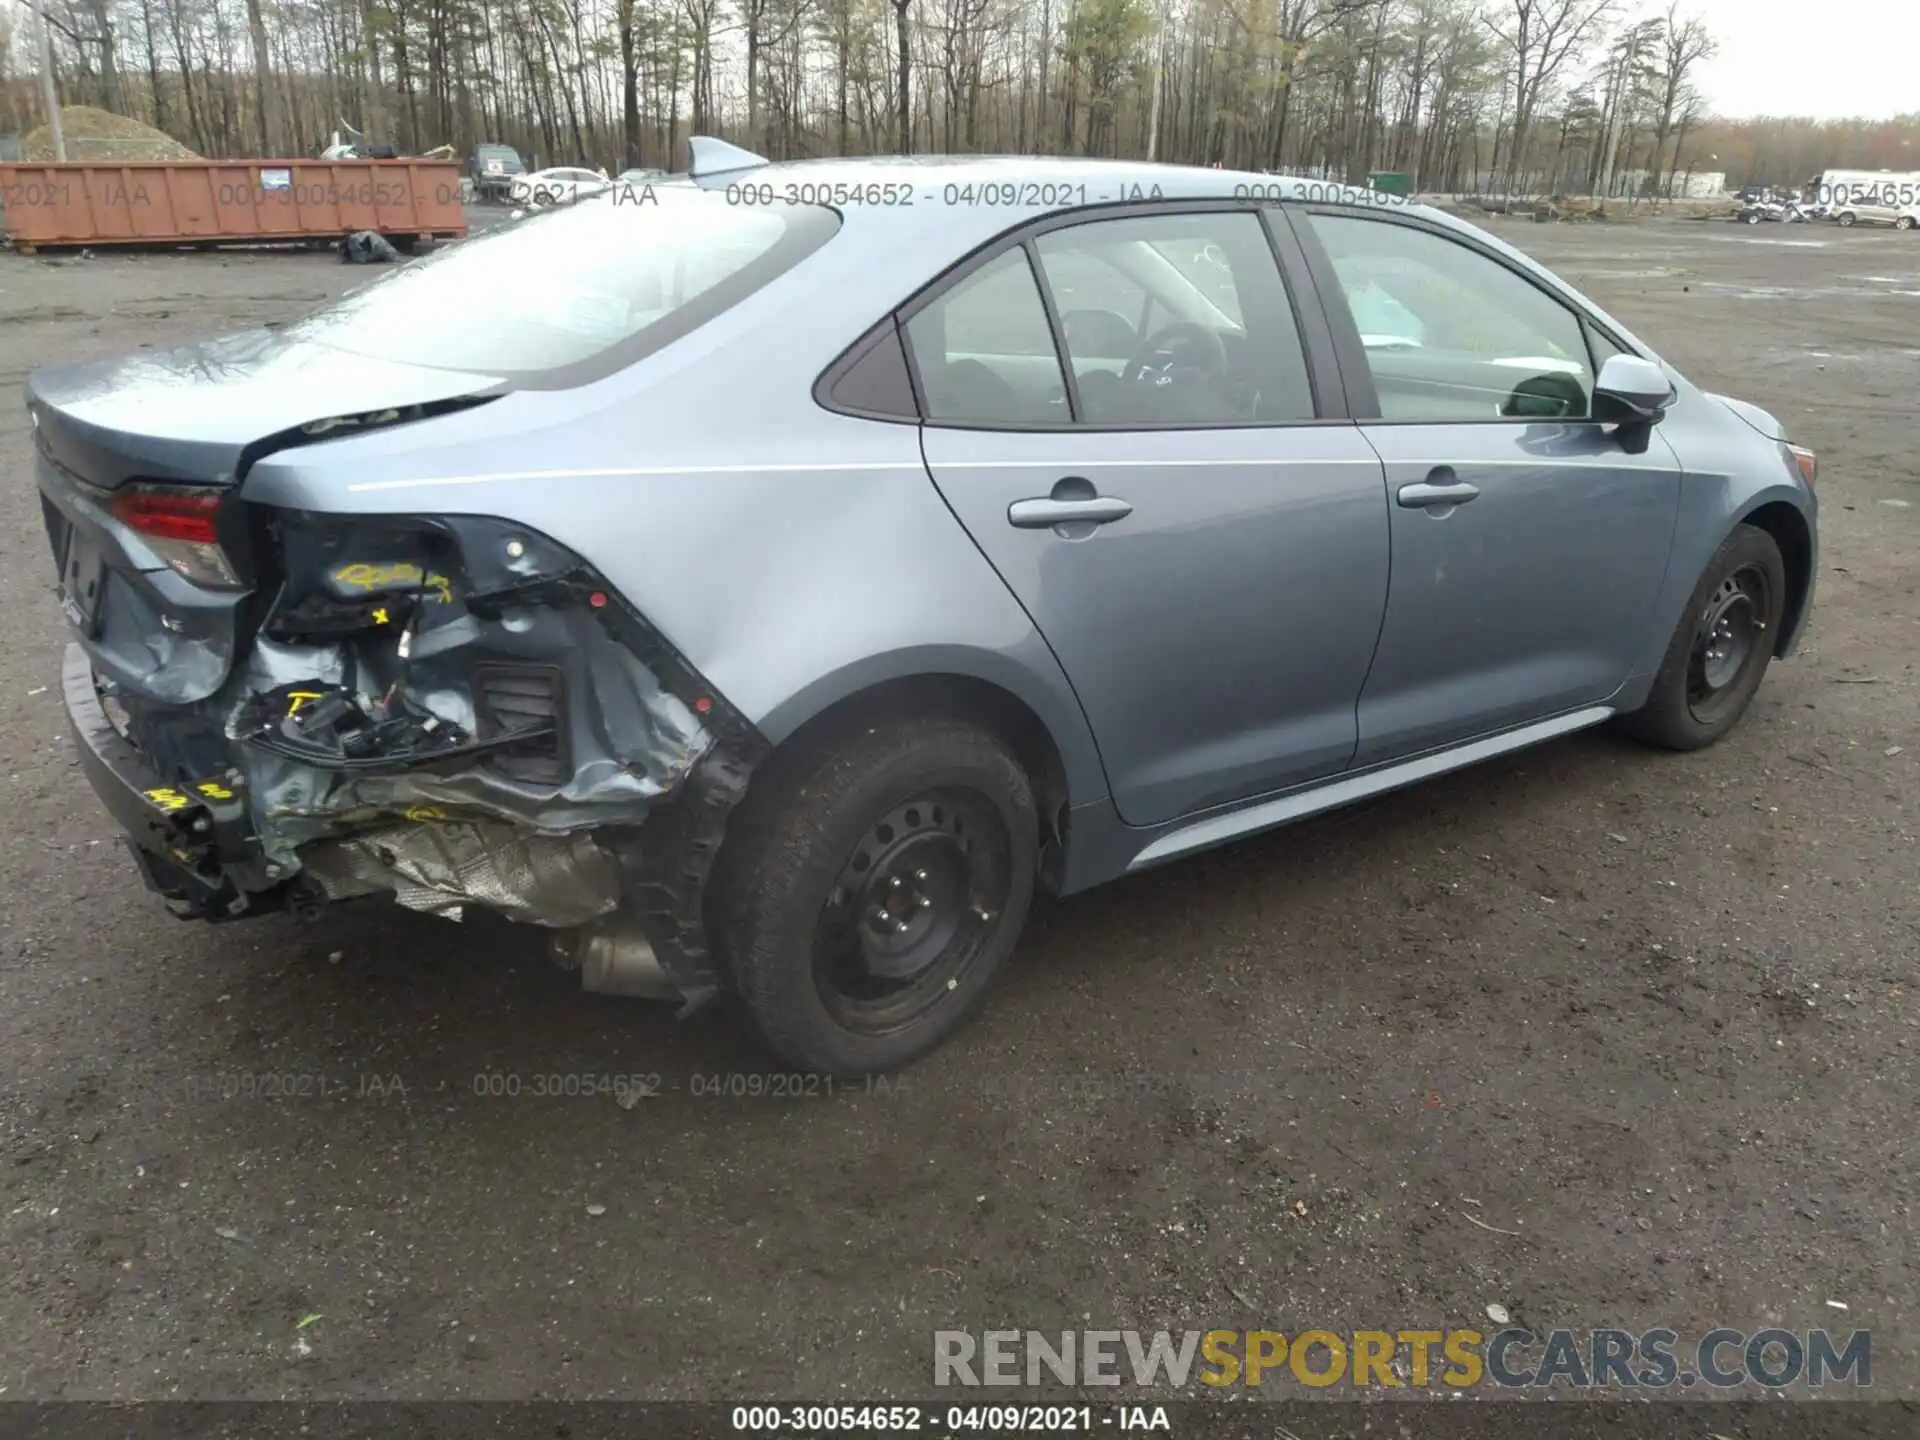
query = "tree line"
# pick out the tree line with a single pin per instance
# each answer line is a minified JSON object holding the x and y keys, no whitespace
{"x":1534,"y":96}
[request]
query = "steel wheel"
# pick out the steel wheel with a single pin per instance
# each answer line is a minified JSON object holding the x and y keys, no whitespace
{"x":1728,"y":641}
{"x":912,"y":910}
{"x":1722,"y":642}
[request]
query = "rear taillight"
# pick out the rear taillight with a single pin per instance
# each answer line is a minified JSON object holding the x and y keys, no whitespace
{"x":1803,"y":458}
{"x":181,"y":527}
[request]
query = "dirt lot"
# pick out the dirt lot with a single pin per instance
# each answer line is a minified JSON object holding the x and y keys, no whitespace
{"x":1656,"y":1016}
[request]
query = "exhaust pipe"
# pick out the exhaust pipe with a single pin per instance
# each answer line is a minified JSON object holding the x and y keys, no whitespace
{"x":614,"y":958}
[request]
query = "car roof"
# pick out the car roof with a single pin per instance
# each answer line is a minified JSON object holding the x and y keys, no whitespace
{"x":1079,"y":184}
{"x":1102,"y":180}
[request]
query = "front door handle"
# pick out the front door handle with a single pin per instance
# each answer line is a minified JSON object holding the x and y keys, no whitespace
{"x":1045,"y":513}
{"x":1426,"y":494}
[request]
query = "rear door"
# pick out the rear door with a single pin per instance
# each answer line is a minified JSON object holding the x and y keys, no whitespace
{"x":1120,"y":411}
{"x":1529,"y":542}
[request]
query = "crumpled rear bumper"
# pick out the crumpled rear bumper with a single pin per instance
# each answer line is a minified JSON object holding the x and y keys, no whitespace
{"x":488,"y":725}
{"x":193,"y":842}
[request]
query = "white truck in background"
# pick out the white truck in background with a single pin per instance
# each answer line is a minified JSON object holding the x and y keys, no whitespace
{"x":1832,"y":190}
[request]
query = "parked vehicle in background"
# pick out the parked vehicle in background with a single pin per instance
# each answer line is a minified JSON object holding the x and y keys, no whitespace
{"x":1875,"y":212}
{"x":494,"y":169}
{"x":1754,"y":212}
{"x":1057,"y":542}
{"x":640,"y":176}
{"x":1836,"y":189}
{"x":561,"y":185}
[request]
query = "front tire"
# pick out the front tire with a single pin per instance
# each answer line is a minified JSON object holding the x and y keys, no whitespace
{"x":1846,"y":218}
{"x":1720,"y":649}
{"x":1905,"y":222}
{"x":872,"y":887}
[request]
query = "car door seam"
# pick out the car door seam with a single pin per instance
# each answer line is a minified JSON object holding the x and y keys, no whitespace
{"x":1386,"y":604}
{"x":926,"y":466}
{"x":1673,"y":533}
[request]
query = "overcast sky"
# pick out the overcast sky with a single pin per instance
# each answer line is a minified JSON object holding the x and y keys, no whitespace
{"x":1826,"y":58}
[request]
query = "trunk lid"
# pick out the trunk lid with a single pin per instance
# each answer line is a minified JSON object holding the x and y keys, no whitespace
{"x":192,"y":417}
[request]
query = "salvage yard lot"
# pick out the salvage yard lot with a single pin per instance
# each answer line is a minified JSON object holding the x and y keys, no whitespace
{"x":1652,"y":1019}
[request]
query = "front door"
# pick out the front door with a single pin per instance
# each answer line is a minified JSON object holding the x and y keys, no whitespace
{"x":1208,"y":563}
{"x":1529,"y":542}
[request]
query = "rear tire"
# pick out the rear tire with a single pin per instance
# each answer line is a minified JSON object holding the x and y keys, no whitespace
{"x":1720,"y":649}
{"x":872,"y":887}
{"x":1905,"y":222}
{"x":1846,"y":217}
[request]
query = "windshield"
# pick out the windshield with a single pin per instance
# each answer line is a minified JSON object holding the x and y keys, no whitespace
{"x":595,"y":283}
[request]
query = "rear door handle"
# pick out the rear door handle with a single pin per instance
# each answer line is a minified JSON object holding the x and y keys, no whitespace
{"x":1426,"y":494}
{"x":1045,"y":513}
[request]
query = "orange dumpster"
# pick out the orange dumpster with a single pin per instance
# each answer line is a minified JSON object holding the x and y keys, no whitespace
{"x":175,"y":202}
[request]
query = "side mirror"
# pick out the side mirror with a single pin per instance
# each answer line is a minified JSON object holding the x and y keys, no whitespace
{"x":1631,"y":391}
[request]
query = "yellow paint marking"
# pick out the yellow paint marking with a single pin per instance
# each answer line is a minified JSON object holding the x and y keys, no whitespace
{"x":297,"y":698}
{"x":363,"y":576}
{"x":214,"y":790}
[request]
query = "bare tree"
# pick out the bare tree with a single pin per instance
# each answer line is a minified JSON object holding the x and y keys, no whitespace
{"x":1685,"y":43}
{"x":903,"y":121}
{"x":1541,"y":36}
{"x":1464,"y":94}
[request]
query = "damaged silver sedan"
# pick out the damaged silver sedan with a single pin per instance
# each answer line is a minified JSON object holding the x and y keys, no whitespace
{"x":796,"y":566}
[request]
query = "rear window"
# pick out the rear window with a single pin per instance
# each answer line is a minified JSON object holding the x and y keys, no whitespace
{"x":563,"y":296}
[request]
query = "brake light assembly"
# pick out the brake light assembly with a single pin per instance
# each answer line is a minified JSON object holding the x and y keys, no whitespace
{"x":181,"y":526}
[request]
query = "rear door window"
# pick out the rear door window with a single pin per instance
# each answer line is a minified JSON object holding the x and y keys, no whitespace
{"x":1177,"y":319}
{"x":985,"y":353}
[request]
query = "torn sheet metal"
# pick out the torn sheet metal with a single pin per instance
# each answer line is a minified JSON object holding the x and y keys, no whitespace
{"x":626,"y":741}
{"x":554,"y":880}
{"x":452,"y":709}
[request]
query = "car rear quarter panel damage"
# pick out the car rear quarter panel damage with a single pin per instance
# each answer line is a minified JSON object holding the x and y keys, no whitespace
{"x":794,"y":559}
{"x":794,"y":556}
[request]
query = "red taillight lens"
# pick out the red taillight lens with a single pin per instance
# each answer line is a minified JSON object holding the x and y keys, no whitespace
{"x":180,"y":526}
{"x":1803,"y":458}
{"x":170,"y":515}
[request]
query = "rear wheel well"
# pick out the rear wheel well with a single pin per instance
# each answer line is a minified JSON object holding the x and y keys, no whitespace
{"x":957,"y":697}
{"x":1788,"y":527}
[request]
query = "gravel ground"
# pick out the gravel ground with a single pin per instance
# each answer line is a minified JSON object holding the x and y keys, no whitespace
{"x":1652,"y":1019}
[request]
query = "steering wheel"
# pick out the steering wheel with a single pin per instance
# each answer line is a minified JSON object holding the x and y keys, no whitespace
{"x":1181,"y":346}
